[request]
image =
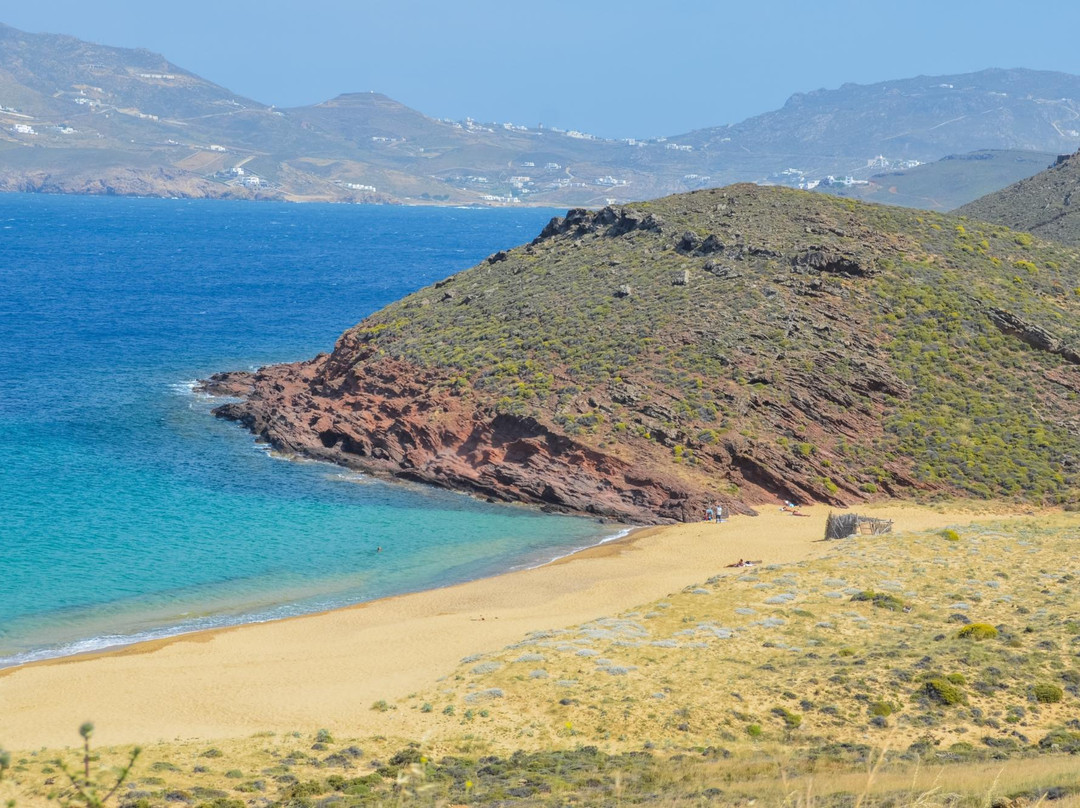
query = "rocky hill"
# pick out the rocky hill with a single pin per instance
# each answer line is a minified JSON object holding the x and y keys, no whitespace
{"x":925,"y":118}
{"x":84,"y":118}
{"x":1047,"y":204}
{"x":742,"y":344}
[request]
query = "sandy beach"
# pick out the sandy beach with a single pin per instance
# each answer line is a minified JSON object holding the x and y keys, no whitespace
{"x":326,"y":670}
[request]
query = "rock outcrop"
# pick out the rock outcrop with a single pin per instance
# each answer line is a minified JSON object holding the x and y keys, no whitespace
{"x":395,"y":419}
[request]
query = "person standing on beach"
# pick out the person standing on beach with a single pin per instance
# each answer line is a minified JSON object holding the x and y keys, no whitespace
{"x":719,"y":513}
{"x":708,"y":514}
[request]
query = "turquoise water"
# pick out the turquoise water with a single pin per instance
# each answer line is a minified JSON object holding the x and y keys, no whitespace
{"x":126,"y":510}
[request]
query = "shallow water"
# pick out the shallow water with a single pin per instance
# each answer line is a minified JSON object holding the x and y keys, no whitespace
{"x":126,"y":510}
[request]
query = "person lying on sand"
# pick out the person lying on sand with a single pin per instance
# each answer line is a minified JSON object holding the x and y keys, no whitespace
{"x":741,"y":563}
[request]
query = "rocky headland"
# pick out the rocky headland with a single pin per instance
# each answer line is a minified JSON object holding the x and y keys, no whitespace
{"x":740,"y":345}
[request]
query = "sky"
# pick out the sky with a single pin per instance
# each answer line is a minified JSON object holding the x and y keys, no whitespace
{"x":615,"y":69}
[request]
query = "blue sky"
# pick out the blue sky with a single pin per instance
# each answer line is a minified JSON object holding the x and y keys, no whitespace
{"x":619,"y":69}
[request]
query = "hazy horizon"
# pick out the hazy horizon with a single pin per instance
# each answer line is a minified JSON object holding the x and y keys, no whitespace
{"x":630,"y":70}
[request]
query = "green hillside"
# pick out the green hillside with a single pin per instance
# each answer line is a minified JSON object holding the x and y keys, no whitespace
{"x":752,"y":342}
{"x":1045,"y":204}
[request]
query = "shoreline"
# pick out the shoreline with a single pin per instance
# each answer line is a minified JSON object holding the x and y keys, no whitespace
{"x":167,"y":633}
{"x":327,"y":669}
{"x":290,"y":199}
{"x":201,"y":634}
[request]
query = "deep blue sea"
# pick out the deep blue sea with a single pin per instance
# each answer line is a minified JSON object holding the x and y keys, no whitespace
{"x":126,"y":510}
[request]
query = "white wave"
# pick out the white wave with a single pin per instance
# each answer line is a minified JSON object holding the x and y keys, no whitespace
{"x":187,"y":389}
{"x":184,"y":388}
{"x":349,"y":477}
{"x":622,"y":534}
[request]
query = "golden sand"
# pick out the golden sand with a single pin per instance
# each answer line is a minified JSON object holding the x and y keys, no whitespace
{"x":327,"y":670}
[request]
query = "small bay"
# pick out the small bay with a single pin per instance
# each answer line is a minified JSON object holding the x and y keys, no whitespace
{"x":126,"y":510}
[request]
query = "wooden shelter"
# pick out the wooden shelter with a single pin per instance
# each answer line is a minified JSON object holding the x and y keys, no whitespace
{"x":843,"y":525}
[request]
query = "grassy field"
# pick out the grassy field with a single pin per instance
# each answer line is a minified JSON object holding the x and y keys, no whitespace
{"x":933,"y":668}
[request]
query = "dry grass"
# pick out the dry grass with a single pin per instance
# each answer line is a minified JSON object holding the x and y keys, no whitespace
{"x":786,"y":649}
{"x":285,"y":771}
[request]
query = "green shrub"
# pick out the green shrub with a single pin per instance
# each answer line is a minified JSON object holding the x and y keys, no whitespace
{"x":882,"y":708}
{"x":754,"y":730}
{"x":882,"y":600}
{"x":977,"y":631}
{"x":944,"y":692}
{"x":213,"y":752}
{"x":957,"y":678}
{"x":791,"y":720}
{"x":1065,"y":741}
{"x":223,"y":802}
{"x":1023,"y":239}
{"x":949,"y":535}
{"x":868,"y":488}
{"x":1047,"y":693}
{"x":381,"y":706}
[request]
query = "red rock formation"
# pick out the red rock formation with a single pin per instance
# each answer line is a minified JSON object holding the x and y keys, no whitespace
{"x":395,"y":419}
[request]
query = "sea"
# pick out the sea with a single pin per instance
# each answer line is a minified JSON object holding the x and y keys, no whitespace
{"x":127,"y":511}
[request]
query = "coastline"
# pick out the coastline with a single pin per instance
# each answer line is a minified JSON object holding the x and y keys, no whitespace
{"x":327,"y":669}
{"x":96,"y":645}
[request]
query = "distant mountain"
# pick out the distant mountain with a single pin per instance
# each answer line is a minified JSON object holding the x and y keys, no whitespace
{"x":1047,"y":204}
{"x":923,"y":118}
{"x":946,"y":183}
{"x":86,"y":118}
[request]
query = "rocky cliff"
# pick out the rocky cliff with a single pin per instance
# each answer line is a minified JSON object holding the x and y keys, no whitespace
{"x":745,"y":344}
